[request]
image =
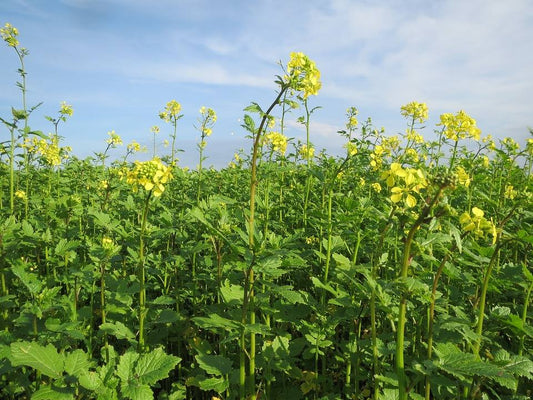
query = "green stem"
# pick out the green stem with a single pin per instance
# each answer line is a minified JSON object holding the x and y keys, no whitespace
{"x":483,"y":298}
{"x":142,"y":290}
{"x":402,"y":309}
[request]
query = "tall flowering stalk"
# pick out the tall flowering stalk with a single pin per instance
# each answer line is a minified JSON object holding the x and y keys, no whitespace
{"x":302,"y":76}
{"x":171,"y":114}
{"x":151,"y":176}
{"x":207,"y":121}
{"x":9,"y":34}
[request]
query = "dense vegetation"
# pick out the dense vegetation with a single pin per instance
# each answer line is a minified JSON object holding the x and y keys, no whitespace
{"x":400,"y":270}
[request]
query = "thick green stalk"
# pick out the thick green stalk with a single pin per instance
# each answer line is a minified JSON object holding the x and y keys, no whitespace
{"x":402,"y":309}
{"x":249,"y":277}
{"x":142,"y":290}
{"x":483,"y":298}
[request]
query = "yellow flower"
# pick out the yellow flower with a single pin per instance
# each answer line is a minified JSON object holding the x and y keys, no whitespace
{"x":376,"y":186}
{"x":134,"y":147}
{"x":478,"y":224}
{"x":276,"y":141}
{"x":510,"y":192}
{"x":303,"y":75}
{"x":107,"y":243}
{"x":114,"y":139}
{"x":486,"y":161}
{"x":307,"y":152}
{"x":21,"y":194}
{"x":459,"y":126}
{"x":66,"y":109}
{"x":415,"y":111}
{"x":171,"y":111}
{"x":9,"y":34}
{"x":151,"y":175}
{"x":463,"y":177}
{"x":351,"y":148}
{"x":414,"y":136}
{"x":154,"y":129}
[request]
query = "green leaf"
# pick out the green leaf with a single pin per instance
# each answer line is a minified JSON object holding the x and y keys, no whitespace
{"x":91,"y":381}
{"x":126,"y":364}
{"x":214,"y":364}
{"x":30,"y":280}
{"x":232,"y":294}
{"x":216,"y":321}
{"x":154,"y":366}
{"x":46,"y":360}
{"x":77,"y":363}
{"x":117,"y":329}
{"x":137,"y":392}
{"x":216,"y":384}
{"x":53,"y":393}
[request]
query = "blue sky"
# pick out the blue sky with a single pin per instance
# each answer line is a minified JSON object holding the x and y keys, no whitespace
{"x":118,"y":62}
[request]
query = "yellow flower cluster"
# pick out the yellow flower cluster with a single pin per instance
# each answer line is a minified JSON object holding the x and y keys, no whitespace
{"x":351,"y":148}
{"x":463,"y":177}
{"x":414,"y":136}
{"x":9,"y":34}
{"x":303,"y":75}
{"x":383,"y":150}
{"x":306,"y":152}
{"x":151,"y":175}
{"x":48,"y":149}
{"x":134,"y":147}
{"x":20,"y":194}
{"x":209,"y":117}
{"x":276,"y":141}
{"x":404,"y":182}
{"x":66,"y":109}
{"x":418,"y":112}
{"x":107,"y":243}
{"x":171,"y":111}
{"x":352,"y":113}
{"x":510,"y":192}
{"x":476,"y":223}
{"x":459,"y":126}
{"x":114,"y":139}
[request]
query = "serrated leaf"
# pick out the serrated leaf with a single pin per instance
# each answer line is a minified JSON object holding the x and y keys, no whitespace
{"x":214,"y":364}
{"x":126,"y":364}
{"x":117,"y":329}
{"x":154,"y":366}
{"x":53,"y":393}
{"x":91,"y":381}
{"x":46,"y":360}
{"x":216,"y":384}
{"x":216,"y":321}
{"x":137,"y":392}
{"x":77,"y":363}
{"x":232,"y":294}
{"x":30,"y":280}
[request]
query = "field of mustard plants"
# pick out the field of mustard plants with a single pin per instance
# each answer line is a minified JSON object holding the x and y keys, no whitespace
{"x":400,"y":270}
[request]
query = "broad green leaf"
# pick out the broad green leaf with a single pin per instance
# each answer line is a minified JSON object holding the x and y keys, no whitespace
{"x":214,"y":364}
{"x":91,"y":381}
{"x":29,"y":279}
{"x":77,"y":362}
{"x":216,"y":321}
{"x":232,"y":294}
{"x":126,"y":365}
{"x":117,"y":329}
{"x":154,"y":366}
{"x":136,"y":391}
{"x":46,"y":360}
{"x":53,"y":393}
{"x":216,"y":384}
